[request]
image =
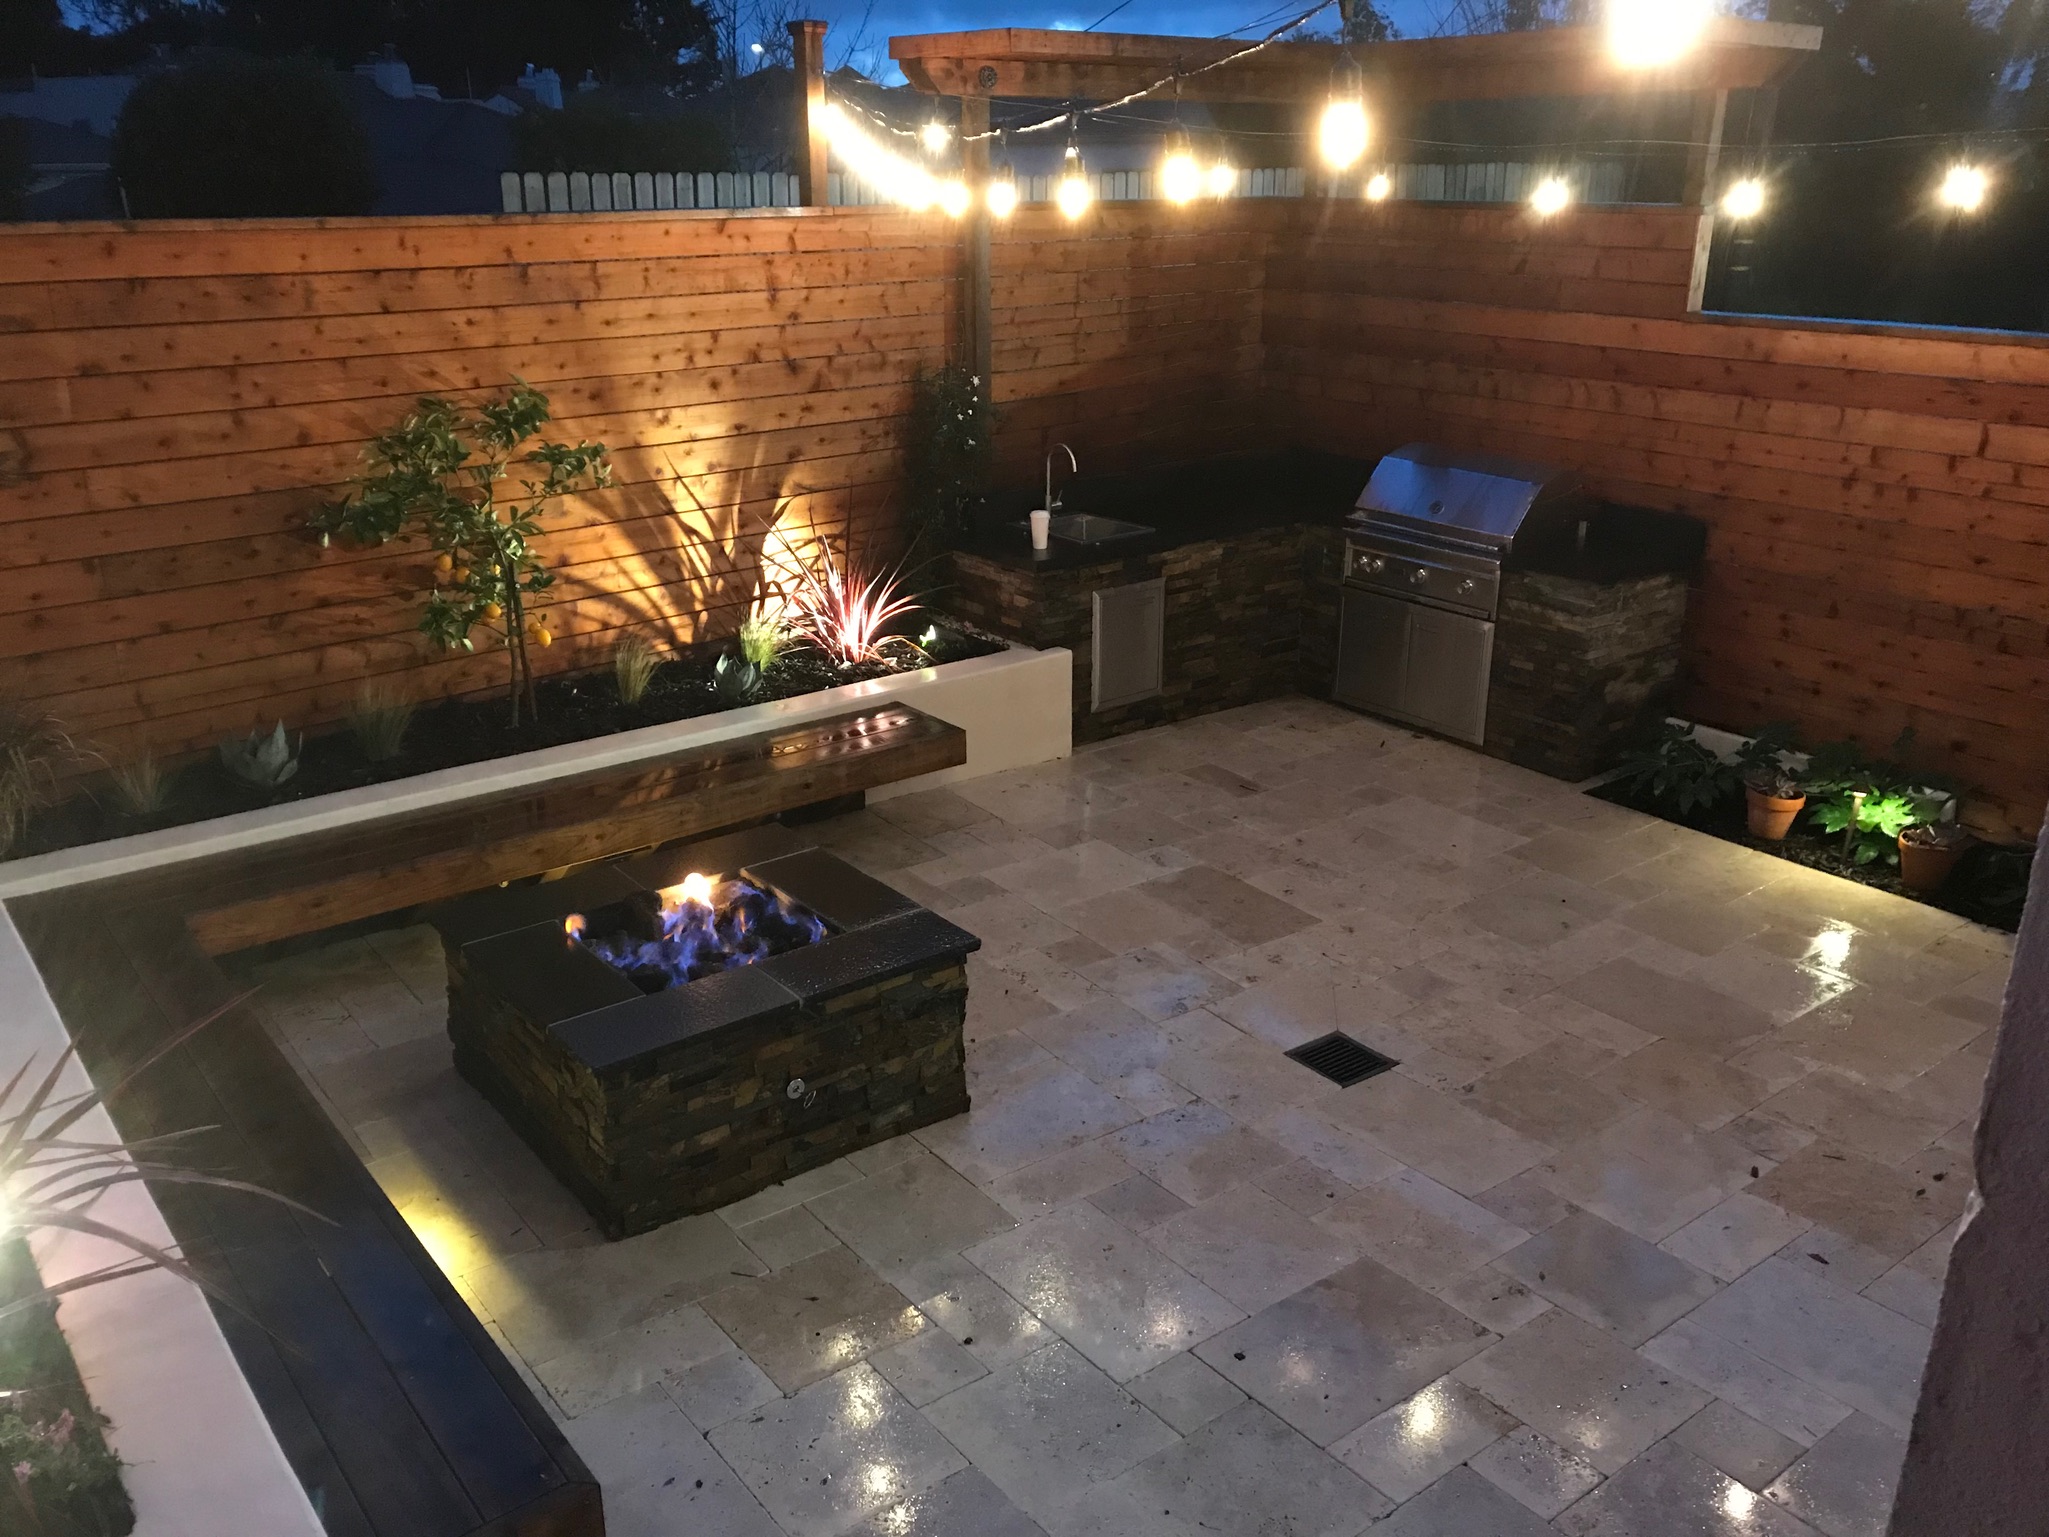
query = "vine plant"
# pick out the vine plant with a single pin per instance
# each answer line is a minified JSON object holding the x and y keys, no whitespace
{"x":441,"y":475}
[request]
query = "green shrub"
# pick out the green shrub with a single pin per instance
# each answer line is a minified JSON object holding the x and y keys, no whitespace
{"x":1678,"y":770}
{"x":227,"y":136}
{"x":597,"y":136}
{"x":948,"y":449}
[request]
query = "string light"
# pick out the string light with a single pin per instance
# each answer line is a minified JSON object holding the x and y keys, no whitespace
{"x":1744,"y":199}
{"x":1223,"y":179}
{"x":899,"y":180}
{"x":1001,"y":195}
{"x":1180,"y":176}
{"x":1343,"y":134}
{"x":1552,"y":196}
{"x":935,"y":136}
{"x":1648,"y":34}
{"x":1379,"y":188}
{"x":1074,"y":194}
{"x":1964,"y":188}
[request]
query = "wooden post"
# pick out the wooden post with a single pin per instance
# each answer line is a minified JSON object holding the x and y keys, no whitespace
{"x":1704,"y":159}
{"x":807,"y":49}
{"x":976,"y":322}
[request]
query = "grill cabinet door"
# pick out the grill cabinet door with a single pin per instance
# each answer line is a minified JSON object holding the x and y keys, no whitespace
{"x":1450,"y":657}
{"x":1373,"y":653}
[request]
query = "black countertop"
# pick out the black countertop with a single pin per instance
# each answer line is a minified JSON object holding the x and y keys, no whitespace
{"x":1226,"y":498}
{"x":1185,"y":504}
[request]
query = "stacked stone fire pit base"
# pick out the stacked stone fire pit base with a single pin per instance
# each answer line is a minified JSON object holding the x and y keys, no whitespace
{"x":653,"y":1106}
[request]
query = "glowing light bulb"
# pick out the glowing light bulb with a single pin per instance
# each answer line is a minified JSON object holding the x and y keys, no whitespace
{"x":1380,"y":188}
{"x":1223,"y":179}
{"x":1343,"y":134}
{"x":1074,"y":194}
{"x":1648,"y":34}
{"x":1552,"y":196}
{"x":1964,"y":188}
{"x":1002,"y":196}
{"x":954,"y":198}
{"x":935,"y":136}
{"x":1180,"y":177}
{"x":1745,"y":199}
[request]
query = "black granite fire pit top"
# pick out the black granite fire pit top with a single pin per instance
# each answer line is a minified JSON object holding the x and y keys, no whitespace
{"x":512,"y":939}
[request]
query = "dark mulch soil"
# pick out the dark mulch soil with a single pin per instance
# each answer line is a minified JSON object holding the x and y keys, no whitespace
{"x":71,"y":1486}
{"x":456,"y":732}
{"x":1989,"y":885}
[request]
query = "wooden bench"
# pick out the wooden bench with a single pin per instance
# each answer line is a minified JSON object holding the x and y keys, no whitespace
{"x":394,"y":1405}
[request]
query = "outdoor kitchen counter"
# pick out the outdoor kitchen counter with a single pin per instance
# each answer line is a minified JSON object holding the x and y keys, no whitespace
{"x":1235,"y":589}
{"x":1224,"y":499}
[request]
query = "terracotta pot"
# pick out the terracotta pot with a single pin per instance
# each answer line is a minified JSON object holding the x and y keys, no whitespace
{"x":1925,"y":866}
{"x":1771,"y":817}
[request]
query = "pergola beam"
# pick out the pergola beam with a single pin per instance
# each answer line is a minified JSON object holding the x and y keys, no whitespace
{"x":1045,"y":65}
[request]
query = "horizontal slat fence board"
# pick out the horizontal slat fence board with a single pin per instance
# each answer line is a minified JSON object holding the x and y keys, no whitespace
{"x":184,"y":395}
{"x":1878,"y":498}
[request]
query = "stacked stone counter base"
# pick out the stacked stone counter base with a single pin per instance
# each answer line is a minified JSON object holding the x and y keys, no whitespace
{"x":1582,"y":669}
{"x":655,"y":1106}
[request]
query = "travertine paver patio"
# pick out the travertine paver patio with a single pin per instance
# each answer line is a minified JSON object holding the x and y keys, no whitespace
{"x":1644,"y":1236}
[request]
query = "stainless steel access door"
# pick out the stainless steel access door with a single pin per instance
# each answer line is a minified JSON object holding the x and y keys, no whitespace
{"x":1417,"y":664}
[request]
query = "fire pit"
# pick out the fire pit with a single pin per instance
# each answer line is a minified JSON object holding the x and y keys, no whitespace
{"x":677,"y":1031}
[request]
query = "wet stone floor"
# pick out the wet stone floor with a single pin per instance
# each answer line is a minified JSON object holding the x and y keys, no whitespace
{"x":1643,"y":1238}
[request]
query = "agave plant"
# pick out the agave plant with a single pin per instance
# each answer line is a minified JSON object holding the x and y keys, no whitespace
{"x":261,"y":762}
{"x":736,"y":681}
{"x":846,"y":613}
{"x":50,"y":1177}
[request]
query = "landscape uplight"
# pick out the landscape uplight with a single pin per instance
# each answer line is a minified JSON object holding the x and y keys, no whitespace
{"x":1649,"y":34}
{"x":1964,"y":188}
{"x":1552,"y":196}
{"x":1744,"y":199}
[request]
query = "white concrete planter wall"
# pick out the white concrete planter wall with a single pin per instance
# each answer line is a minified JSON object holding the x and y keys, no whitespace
{"x":200,"y":1458}
{"x":1016,"y":707}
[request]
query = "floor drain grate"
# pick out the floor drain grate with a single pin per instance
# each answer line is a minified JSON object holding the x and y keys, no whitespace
{"x":1342,"y":1060}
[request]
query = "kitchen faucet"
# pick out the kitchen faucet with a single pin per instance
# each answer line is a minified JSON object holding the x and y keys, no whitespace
{"x":1073,"y":468}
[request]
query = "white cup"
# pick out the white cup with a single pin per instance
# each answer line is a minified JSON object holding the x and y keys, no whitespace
{"x":1042,"y":528}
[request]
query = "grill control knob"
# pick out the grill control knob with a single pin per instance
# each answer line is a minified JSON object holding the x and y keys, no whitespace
{"x":1374,"y":565}
{"x":1465,"y":587}
{"x":1418,"y":577}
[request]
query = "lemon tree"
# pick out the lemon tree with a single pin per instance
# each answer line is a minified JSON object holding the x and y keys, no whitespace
{"x":446,"y":475}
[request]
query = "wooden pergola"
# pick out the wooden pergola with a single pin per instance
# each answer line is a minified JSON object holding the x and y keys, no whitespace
{"x":1399,"y":78}
{"x":1041,"y":65}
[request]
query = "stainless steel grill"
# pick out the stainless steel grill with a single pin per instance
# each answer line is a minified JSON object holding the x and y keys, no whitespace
{"x":1424,"y":554}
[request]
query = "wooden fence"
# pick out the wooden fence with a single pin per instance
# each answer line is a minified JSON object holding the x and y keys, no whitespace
{"x":175,"y":399}
{"x":1878,"y":498}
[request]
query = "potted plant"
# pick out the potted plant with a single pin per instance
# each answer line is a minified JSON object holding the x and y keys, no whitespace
{"x":1929,"y":852}
{"x":1773,"y":795}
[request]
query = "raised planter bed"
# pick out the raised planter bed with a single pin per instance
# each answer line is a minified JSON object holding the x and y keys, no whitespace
{"x":459,"y":732}
{"x":1013,"y":704}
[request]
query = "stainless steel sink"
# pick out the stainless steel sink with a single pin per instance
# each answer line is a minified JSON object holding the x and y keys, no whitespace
{"x":1084,"y":528}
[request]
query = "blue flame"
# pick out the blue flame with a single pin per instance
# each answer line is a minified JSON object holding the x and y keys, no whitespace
{"x":740,"y":924}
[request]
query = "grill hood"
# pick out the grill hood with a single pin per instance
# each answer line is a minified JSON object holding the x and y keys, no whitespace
{"x":1432,"y":492}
